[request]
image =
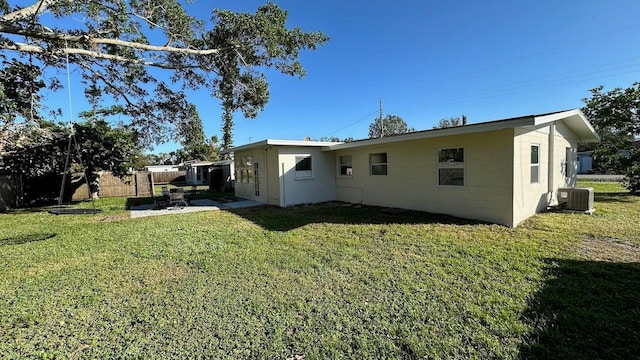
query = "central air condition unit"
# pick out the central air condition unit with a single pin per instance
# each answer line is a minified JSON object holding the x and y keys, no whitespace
{"x":579,"y":199}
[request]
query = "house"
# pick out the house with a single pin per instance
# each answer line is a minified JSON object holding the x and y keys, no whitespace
{"x":222,"y":176}
{"x":585,"y":162}
{"x":500,"y":171}
{"x":163,"y":168}
{"x":197,"y":172}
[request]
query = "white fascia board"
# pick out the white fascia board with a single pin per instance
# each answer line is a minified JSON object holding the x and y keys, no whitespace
{"x":300,"y":143}
{"x":575,"y":120}
{"x":275,"y":142}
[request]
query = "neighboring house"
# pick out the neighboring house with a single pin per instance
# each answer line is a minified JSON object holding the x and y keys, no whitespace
{"x":585,"y":162}
{"x":163,"y":168}
{"x":222,"y":176}
{"x":500,"y":171}
{"x":197,"y":172}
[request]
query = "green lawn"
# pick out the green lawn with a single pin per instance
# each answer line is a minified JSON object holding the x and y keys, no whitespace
{"x":321,"y":282}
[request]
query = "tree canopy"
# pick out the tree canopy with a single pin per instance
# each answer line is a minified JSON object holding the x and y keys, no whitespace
{"x":389,"y":125}
{"x":42,"y":154}
{"x":451,"y":122}
{"x":137,"y":58}
{"x":615,"y":116}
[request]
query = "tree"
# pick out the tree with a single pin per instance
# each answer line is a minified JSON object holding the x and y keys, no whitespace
{"x":213,"y":151}
{"x":193,"y":138}
{"x":336,"y":139}
{"x":104,"y":148}
{"x":615,"y":116}
{"x":43,"y":153}
{"x":137,"y":58}
{"x":390,"y":125}
{"x":451,"y":122}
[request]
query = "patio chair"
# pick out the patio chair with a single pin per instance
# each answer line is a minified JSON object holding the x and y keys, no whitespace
{"x":176,"y":197}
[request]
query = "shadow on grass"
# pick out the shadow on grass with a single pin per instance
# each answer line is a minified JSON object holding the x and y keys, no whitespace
{"x":284,"y":219}
{"x":614,"y":197}
{"x":27,"y":238}
{"x":587,"y":310}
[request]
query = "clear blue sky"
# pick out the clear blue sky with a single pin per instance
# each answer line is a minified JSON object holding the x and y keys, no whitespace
{"x":428,"y":60}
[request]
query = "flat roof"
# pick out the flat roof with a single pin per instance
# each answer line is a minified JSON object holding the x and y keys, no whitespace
{"x":275,"y":142}
{"x":574,"y":119}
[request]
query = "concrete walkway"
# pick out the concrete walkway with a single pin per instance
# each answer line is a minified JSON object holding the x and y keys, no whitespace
{"x":196,"y":205}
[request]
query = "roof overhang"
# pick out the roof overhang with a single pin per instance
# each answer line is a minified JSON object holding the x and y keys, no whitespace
{"x":275,"y":142}
{"x":426,"y":134}
{"x":575,"y":121}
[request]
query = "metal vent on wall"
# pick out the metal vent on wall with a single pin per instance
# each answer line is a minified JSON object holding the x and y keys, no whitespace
{"x":579,"y":199}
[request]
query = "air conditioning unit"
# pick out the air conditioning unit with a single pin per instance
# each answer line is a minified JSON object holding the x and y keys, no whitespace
{"x":578,"y":199}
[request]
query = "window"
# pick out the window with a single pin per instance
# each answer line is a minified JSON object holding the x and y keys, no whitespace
{"x":570,"y":163}
{"x":244,"y":169}
{"x":535,"y":164}
{"x":451,"y":167}
{"x":303,"y":167}
{"x":346,"y":169}
{"x":378,"y":164}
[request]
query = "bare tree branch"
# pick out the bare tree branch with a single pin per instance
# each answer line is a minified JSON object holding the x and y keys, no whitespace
{"x":94,"y":54}
{"x":51,"y":35}
{"x":31,"y":10}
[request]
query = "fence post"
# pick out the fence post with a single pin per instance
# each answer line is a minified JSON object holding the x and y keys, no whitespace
{"x":152,"y":189}
{"x":135,"y":182}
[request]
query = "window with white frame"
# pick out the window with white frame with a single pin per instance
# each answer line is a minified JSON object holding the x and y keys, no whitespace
{"x":304,"y":167}
{"x":346,"y":167}
{"x":451,"y":166}
{"x":535,"y":164}
{"x":244,"y":169}
{"x":378,"y":164}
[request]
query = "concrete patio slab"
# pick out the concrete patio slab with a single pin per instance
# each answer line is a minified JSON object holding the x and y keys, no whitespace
{"x":195,"y":206}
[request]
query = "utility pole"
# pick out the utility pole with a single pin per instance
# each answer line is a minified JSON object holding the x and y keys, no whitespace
{"x":381,"y":120}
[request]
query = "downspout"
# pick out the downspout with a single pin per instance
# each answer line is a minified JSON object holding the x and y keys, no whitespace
{"x":551,"y":166}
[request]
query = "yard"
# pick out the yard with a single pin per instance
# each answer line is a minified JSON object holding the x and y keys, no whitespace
{"x":321,"y":282}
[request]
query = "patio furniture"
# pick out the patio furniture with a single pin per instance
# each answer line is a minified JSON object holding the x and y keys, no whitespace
{"x":176,"y":197}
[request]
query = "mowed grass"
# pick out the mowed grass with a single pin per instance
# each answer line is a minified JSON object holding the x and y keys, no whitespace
{"x":321,"y":282}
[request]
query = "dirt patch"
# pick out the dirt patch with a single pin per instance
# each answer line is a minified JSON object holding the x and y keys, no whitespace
{"x":114,"y":218}
{"x":609,"y":249}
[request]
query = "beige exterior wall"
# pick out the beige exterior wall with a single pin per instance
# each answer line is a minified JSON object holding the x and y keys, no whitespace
{"x":272,"y":176}
{"x":553,"y":140}
{"x":247,"y":190}
{"x":317,"y":186}
{"x":412,"y":177}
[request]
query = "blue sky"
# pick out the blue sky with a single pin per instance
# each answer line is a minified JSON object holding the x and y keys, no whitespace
{"x":428,"y":60}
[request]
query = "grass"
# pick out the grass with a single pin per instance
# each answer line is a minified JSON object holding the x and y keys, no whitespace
{"x":321,"y":282}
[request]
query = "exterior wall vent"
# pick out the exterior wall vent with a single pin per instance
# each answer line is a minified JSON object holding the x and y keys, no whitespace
{"x":578,"y":199}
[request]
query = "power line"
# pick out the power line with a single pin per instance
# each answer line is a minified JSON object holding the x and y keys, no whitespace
{"x":366,"y":117}
{"x":520,"y":58}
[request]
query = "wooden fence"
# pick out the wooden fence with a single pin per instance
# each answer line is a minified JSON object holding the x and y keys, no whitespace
{"x":10,"y":191}
{"x":164,"y":177}
{"x":139,"y":184}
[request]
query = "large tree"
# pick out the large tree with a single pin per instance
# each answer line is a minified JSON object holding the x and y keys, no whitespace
{"x":137,"y":58}
{"x":615,"y":116}
{"x":389,"y":125}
